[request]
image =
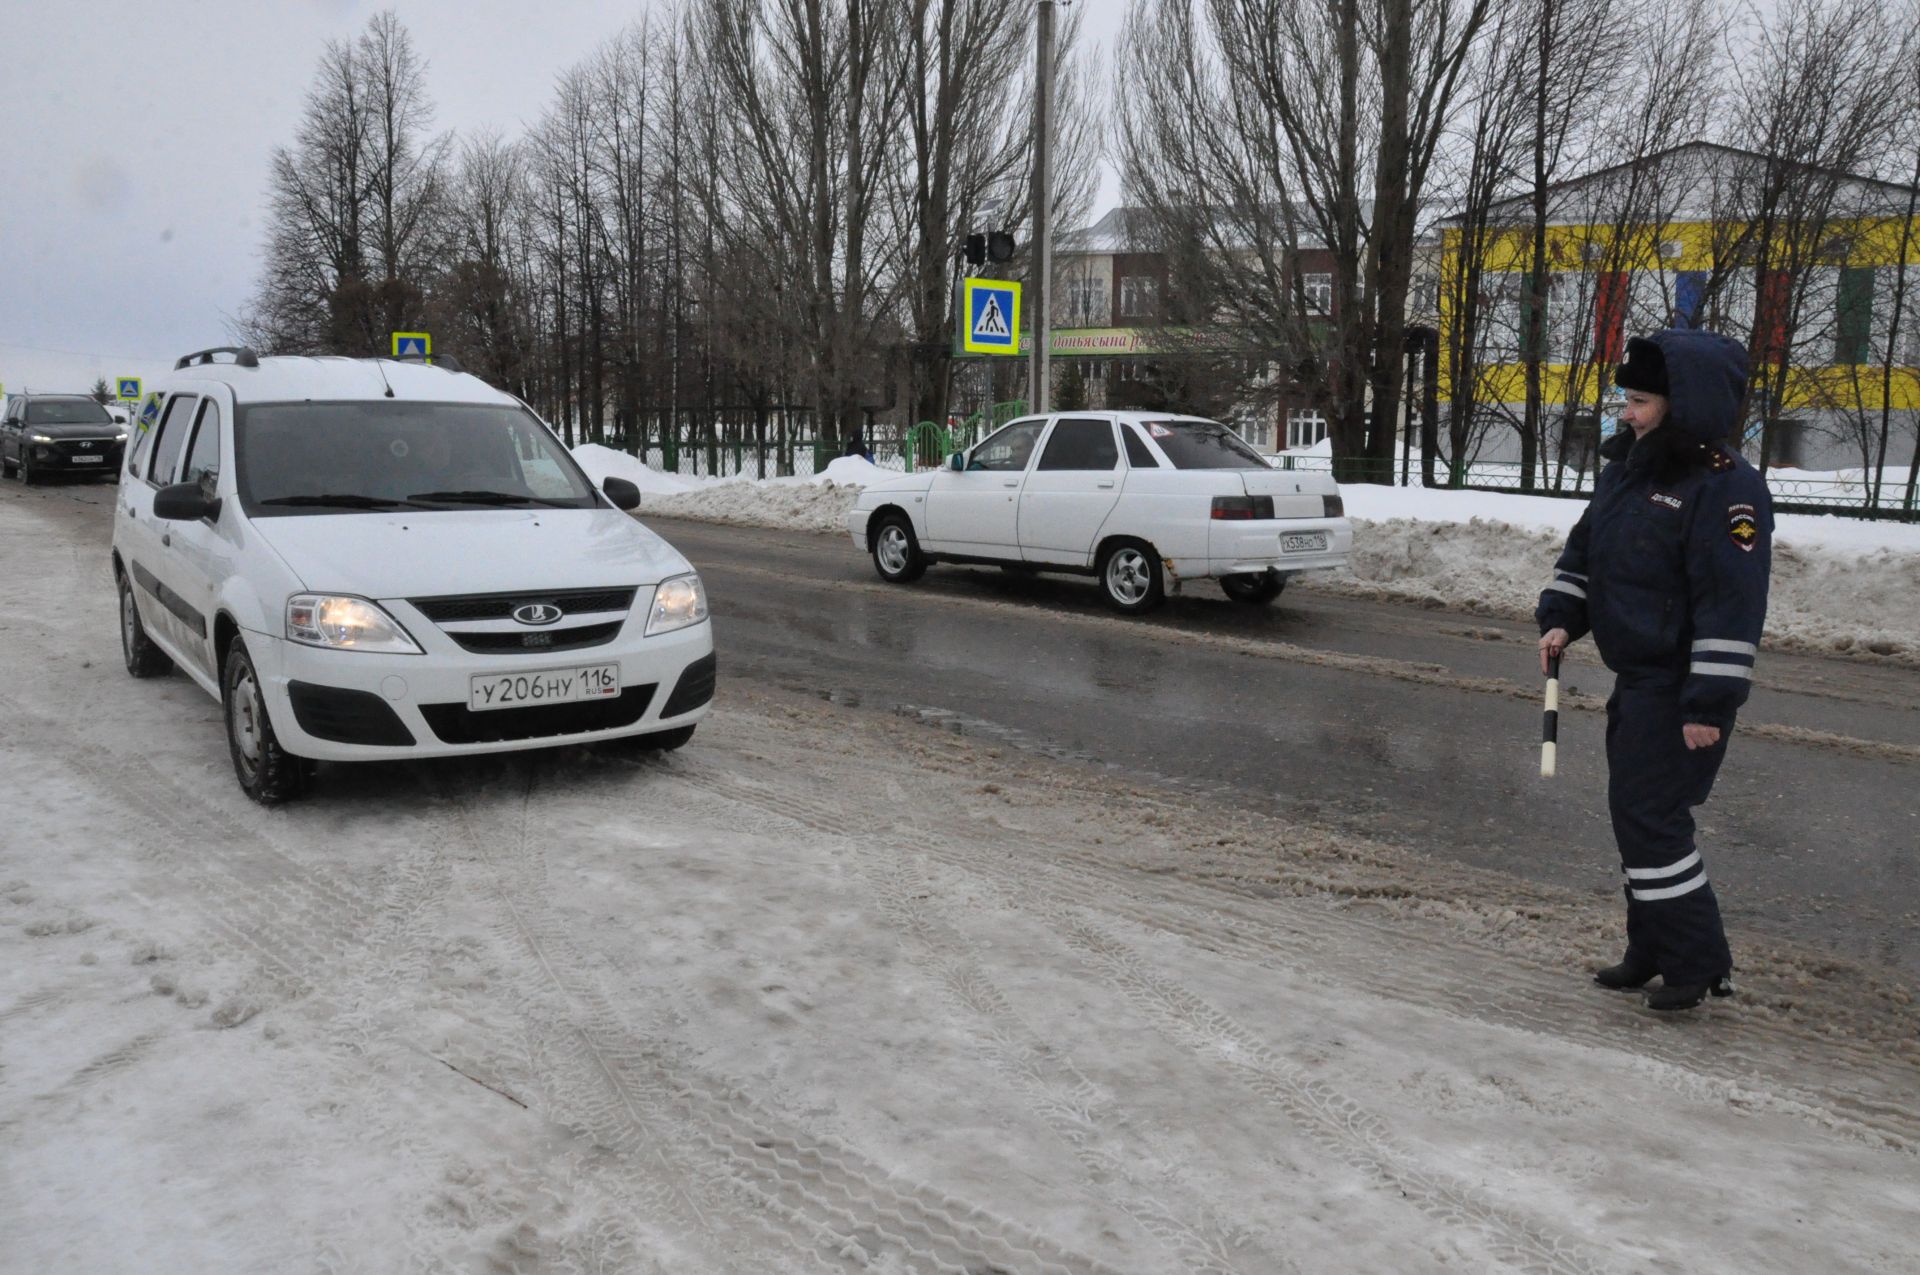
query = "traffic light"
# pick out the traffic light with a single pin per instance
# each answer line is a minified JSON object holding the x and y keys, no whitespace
{"x":995,"y":245}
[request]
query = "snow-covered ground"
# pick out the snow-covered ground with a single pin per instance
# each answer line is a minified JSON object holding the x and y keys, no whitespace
{"x":1481,"y":552}
{"x":834,"y":991}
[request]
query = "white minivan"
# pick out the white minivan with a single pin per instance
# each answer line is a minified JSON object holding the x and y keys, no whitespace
{"x":1139,"y":500}
{"x":370,"y":559}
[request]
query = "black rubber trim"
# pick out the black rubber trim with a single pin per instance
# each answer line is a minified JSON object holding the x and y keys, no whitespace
{"x":458,"y":724}
{"x":694,"y":688}
{"x":172,"y":601}
{"x":347,"y":717}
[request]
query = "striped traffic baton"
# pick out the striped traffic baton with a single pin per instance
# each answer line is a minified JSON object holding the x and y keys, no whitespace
{"x":1550,"y":720}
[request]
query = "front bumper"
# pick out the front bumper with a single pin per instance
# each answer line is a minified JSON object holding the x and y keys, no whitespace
{"x":359,"y":706}
{"x":75,"y":458}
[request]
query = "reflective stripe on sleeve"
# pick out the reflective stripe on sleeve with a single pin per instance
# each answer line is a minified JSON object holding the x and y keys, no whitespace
{"x":1573,"y":575}
{"x":1726,"y":647}
{"x":1566,"y":587}
{"x":1711,"y":669}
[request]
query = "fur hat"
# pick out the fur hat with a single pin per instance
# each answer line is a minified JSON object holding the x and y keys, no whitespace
{"x":1645,"y":369}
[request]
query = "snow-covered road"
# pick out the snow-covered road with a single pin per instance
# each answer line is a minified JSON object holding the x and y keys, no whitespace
{"x":839,"y":992}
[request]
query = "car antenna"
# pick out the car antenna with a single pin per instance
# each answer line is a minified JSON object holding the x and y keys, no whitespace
{"x":383,"y":376}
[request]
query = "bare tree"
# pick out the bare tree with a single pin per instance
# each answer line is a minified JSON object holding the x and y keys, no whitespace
{"x":351,"y":202}
{"x":1266,"y":127}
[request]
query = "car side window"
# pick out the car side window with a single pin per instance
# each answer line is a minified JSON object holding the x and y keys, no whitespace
{"x":172,"y":439}
{"x":1080,"y":444}
{"x":1139,"y":455}
{"x":203,"y":458}
{"x":1009,"y":450}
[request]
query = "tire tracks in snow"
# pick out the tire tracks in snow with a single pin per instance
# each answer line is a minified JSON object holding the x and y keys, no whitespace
{"x":831,"y":1201}
{"x":1338,"y":1123}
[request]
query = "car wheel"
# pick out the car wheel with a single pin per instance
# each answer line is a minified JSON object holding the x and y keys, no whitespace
{"x":1130,"y":577}
{"x":1255,"y":588}
{"x":896,"y":552}
{"x":144,"y":659}
{"x":7,"y":467}
{"x":267,"y":772}
{"x":28,"y":475}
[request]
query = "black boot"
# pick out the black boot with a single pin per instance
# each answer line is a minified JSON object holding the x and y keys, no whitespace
{"x":1625,"y":976}
{"x":1675,"y":996}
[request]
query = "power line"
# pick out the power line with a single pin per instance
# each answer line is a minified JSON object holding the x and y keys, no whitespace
{"x":86,"y":354}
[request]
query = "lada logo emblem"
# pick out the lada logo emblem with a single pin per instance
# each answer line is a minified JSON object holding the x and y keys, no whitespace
{"x":537,"y":613}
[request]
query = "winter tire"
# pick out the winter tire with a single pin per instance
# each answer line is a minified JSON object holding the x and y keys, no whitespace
{"x":143,"y":658}
{"x":7,"y":467}
{"x":28,"y":474}
{"x":896,"y":552}
{"x":267,"y":772}
{"x":1255,"y":588}
{"x":1130,"y":577}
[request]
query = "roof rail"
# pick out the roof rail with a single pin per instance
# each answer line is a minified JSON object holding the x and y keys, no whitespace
{"x":242,"y":357}
{"x":446,"y":361}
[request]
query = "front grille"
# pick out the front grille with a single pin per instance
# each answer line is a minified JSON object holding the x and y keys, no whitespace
{"x":694,"y":688}
{"x":499,"y":606}
{"x":537,"y":641}
{"x":69,"y":448}
{"x":347,"y":717}
{"x":458,"y":724}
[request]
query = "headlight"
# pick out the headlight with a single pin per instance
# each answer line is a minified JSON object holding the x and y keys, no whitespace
{"x":676,"y":604}
{"x":345,"y":624}
{"x":41,"y":438}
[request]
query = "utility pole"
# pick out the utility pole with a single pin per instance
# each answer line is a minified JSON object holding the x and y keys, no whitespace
{"x":1042,"y":283}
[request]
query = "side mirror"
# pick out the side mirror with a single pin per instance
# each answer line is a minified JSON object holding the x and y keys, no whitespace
{"x":957,"y":462}
{"x":622,"y":493}
{"x":184,"y":502}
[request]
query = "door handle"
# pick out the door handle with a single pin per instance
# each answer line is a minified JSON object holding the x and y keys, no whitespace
{"x":1011,"y":484}
{"x":1107,"y":484}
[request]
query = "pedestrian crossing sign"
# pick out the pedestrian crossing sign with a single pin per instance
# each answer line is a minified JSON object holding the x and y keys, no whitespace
{"x":990,"y":313}
{"x":128,"y":390}
{"x":414,"y":345}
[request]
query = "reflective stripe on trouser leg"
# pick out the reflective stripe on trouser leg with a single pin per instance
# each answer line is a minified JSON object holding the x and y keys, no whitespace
{"x":1653,"y":783}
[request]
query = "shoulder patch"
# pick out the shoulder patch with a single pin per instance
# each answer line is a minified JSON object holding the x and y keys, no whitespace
{"x":1743,"y":527}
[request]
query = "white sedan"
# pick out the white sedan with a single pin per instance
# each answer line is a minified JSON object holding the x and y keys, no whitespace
{"x":1140,"y":500}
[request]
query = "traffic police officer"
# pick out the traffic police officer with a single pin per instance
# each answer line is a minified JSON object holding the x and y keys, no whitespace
{"x":1668,"y":569}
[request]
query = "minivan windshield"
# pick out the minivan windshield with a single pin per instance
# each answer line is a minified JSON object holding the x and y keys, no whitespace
{"x":304,"y":458}
{"x":66,"y":411}
{"x":1194,"y":444}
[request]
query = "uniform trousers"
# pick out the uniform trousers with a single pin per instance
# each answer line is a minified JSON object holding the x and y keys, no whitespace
{"x":1653,"y":783}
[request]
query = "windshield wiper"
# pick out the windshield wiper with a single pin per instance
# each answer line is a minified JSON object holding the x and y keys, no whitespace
{"x":485,"y":498}
{"x":339,"y":500}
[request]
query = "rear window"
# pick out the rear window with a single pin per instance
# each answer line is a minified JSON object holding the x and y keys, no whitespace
{"x":67,"y":411}
{"x":1203,"y":445}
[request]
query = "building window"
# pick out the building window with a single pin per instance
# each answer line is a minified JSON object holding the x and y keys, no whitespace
{"x":1305,"y":427}
{"x":1258,"y":431}
{"x":1138,"y":293}
{"x":1319,"y":292}
{"x":1083,"y":302}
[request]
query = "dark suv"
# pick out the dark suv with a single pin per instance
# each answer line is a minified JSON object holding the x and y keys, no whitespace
{"x":42,"y":434}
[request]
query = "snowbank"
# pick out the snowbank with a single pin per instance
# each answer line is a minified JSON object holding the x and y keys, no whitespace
{"x":1482,"y":552}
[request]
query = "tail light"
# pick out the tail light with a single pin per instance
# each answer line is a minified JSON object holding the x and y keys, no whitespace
{"x":1242,"y":508}
{"x":1332,"y":507}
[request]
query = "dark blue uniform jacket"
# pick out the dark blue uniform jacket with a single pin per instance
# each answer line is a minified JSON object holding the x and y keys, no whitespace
{"x":1668,"y":566}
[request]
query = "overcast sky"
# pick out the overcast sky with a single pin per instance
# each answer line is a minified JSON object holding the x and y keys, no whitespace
{"x":134,"y":140}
